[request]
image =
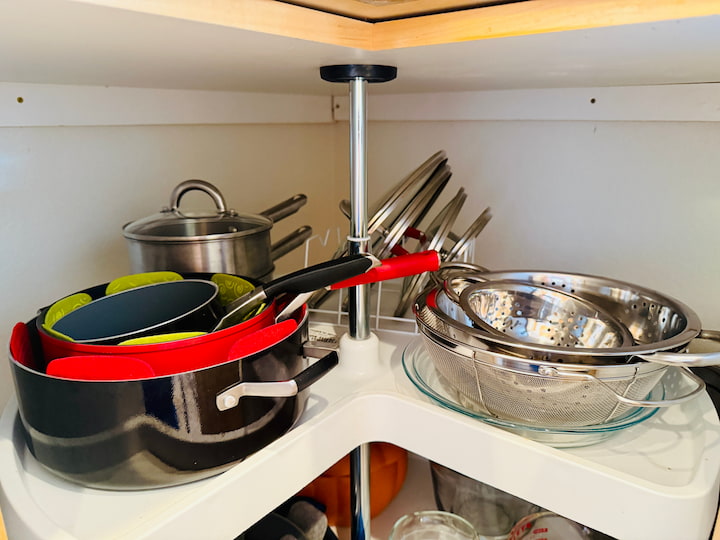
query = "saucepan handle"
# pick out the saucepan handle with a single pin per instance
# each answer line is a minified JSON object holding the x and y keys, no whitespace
{"x":699,"y":386}
{"x":290,"y":242}
{"x":687,"y":359}
{"x":286,"y":208}
{"x":230,"y":397}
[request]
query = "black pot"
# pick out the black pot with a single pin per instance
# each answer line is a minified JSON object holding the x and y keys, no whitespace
{"x":162,"y":431}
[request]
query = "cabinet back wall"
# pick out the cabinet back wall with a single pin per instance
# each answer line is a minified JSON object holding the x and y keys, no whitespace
{"x":637,"y":201}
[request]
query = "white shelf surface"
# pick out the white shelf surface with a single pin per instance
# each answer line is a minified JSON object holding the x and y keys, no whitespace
{"x":657,"y":480}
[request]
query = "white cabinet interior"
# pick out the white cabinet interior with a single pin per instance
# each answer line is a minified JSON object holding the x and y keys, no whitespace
{"x":667,"y":466}
{"x":650,"y":185}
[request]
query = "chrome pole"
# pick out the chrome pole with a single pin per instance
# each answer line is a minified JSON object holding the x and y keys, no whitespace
{"x":358,"y":76}
{"x":358,"y":297}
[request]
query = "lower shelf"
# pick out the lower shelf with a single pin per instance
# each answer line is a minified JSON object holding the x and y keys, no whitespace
{"x":659,"y":479}
{"x":415,"y":495}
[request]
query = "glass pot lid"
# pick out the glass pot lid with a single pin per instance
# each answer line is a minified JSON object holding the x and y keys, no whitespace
{"x":172,"y":224}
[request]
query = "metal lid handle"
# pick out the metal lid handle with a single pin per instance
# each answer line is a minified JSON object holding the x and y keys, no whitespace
{"x":199,"y":185}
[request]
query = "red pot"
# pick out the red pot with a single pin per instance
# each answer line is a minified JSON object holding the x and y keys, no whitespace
{"x":165,"y":358}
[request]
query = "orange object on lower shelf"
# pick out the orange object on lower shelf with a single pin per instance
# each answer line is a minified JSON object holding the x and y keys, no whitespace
{"x":388,"y":468}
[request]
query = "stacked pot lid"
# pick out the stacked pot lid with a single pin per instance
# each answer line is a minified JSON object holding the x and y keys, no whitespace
{"x":404,"y":221}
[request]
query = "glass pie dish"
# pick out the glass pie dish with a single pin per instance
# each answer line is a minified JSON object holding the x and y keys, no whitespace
{"x":420,"y":370}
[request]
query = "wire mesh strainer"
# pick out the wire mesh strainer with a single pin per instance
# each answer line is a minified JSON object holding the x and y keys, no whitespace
{"x":536,"y":314}
{"x":539,"y":392}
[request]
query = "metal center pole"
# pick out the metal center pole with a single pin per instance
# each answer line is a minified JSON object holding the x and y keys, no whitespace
{"x":358,"y":240}
{"x":358,"y":76}
{"x":359,"y":298}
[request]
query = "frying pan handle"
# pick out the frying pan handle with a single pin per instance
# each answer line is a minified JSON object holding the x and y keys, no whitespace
{"x":230,"y":397}
{"x":688,"y":359}
{"x":395,"y":267}
{"x":285,"y":208}
{"x":200,"y":185}
{"x":306,"y":280}
{"x":699,"y":387}
{"x":320,"y":275}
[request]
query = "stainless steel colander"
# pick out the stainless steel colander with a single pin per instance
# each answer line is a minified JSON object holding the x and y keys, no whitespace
{"x":537,"y":314}
{"x":661,"y":327}
{"x":544,"y":393}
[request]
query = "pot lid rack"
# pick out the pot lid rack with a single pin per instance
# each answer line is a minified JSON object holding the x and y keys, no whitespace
{"x":658,"y":479}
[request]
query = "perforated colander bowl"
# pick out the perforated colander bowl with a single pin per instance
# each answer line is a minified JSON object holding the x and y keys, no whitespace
{"x":537,"y":391}
{"x":661,"y":326}
{"x":534,"y":313}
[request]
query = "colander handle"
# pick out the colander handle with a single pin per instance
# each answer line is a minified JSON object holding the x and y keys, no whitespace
{"x":688,"y":359}
{"x":699,"y":386}
{"x":451,"y":269}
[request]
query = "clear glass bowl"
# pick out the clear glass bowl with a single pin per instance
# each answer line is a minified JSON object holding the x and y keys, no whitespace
{"x":491,"y":511}
{"x":422,"y":373}
{"x":432,"y":525}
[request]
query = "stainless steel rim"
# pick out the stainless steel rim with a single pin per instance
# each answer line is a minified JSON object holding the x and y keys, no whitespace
{"x":413,"y":212}
{"x":435,"y":300}
{"x":392,"y":200}
{"x":472,"y":232}
{"x":519,"y":364}
{"x":541,"y":314}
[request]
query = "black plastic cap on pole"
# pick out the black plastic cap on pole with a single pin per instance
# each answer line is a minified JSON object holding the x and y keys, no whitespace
{"x":347,"y":72}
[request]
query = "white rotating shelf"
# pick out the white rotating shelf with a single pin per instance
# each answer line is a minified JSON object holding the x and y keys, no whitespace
{"x":658,"y":480}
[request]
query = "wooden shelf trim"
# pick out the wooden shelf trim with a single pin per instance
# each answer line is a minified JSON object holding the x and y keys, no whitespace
{"x":266,"y":16}
{"x":383,"y":10}
{"x":517,"y":19}
{"x":534,"y":17}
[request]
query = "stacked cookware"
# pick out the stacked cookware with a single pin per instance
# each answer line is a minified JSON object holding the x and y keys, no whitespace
{"x":184,"y":368}
{"x":556,"y":349}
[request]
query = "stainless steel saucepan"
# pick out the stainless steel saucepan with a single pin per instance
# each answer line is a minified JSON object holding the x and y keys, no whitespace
{"x":222,"y":241}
